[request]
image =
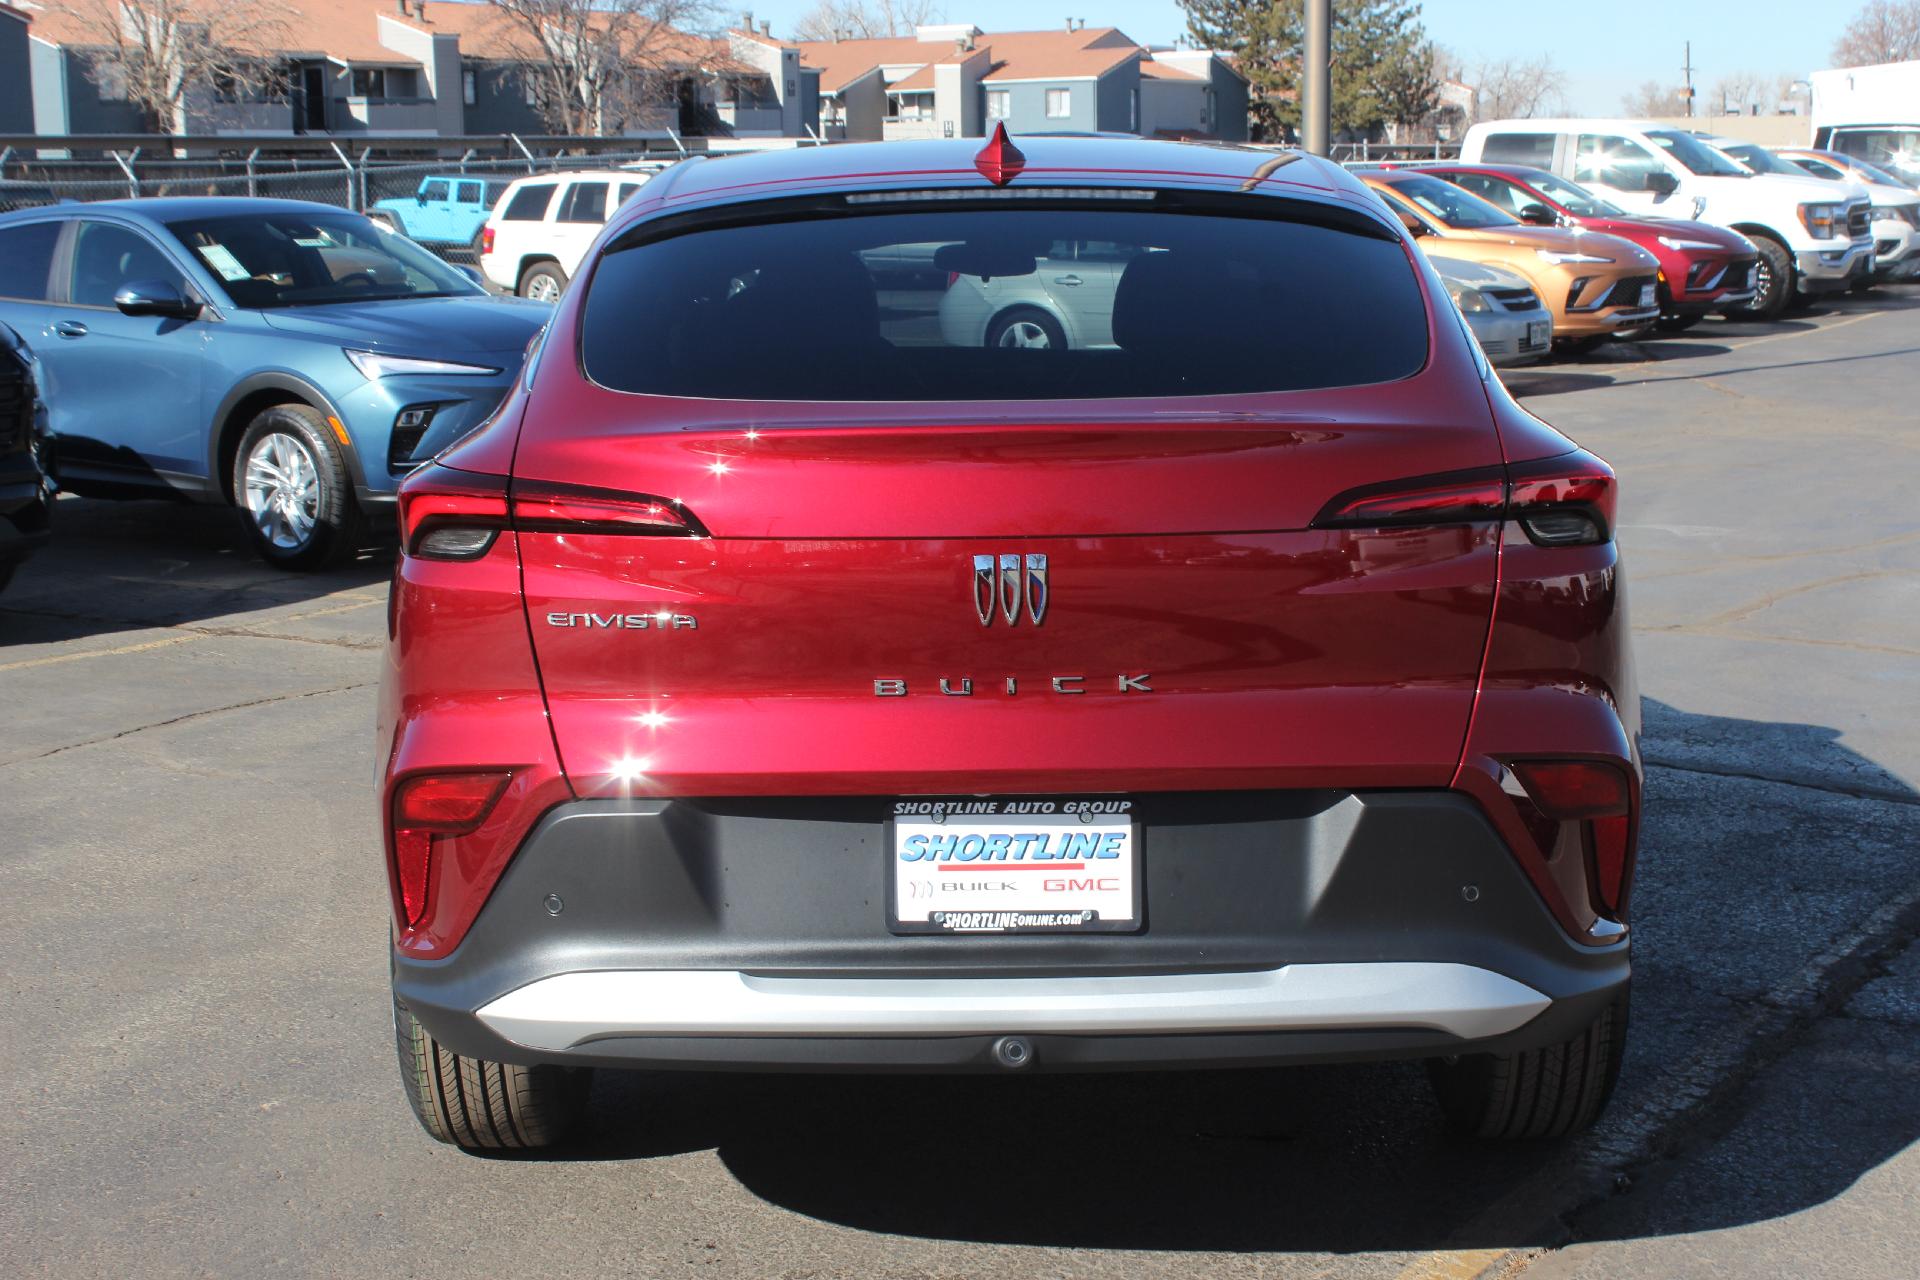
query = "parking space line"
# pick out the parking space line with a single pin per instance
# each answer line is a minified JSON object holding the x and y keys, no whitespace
{"x":1451,"y":1264}
{"x":142,"y":647}
{"x":1802,"y":333}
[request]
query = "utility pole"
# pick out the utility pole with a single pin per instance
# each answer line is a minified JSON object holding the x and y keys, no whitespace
{"x":1687,"y":71}
{"x":1316,"y":106}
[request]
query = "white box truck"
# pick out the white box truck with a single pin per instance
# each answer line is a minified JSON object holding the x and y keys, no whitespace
{"x":1872,"y":113}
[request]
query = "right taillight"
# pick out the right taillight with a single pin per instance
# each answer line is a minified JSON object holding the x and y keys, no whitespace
{"x":1562,"y":502}
{"x":1565,"y":501}
{"x":1591,"y":801}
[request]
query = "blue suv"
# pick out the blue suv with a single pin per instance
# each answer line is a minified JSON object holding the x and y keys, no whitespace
{"x":291,"y":359}
{"x":449,"y":208}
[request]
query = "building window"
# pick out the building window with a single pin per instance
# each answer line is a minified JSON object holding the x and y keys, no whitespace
{"x":1059,"y":104}
{"x":999,"y":104}
{"x":1133,"y":111}
{"x":369,"y":82}
{"x":469,"y":87}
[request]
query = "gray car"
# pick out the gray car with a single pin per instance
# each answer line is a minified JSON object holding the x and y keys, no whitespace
{"x":1064,"y":303}
{"x":1507,"y":317}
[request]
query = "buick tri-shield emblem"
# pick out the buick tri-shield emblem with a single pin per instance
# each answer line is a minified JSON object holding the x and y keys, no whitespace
{"x":1004,"y":585}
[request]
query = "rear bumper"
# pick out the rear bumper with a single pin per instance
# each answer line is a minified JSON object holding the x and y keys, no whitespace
{"x":751,"y":935}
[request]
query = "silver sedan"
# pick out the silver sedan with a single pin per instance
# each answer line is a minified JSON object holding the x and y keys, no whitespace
{"x":1507,"y":317}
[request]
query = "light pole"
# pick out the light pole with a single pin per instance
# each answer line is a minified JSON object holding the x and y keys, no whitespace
{"x":1316,"y":106}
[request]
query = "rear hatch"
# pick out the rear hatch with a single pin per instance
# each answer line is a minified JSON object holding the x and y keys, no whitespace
{"x":953,"y":594}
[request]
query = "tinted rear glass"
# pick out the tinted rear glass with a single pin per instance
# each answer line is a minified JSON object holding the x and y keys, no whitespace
{"x":1518,"y":148}
{"x":1003,"y":304}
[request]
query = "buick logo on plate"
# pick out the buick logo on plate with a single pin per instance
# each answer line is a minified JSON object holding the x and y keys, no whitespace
{"x":1007,"y":585}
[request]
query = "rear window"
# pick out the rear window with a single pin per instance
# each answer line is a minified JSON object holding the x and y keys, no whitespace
{"x":28,"y":253}
{"x":1535,"y":149}
{"x":1004,"y":304}
{"x":529,"y":204}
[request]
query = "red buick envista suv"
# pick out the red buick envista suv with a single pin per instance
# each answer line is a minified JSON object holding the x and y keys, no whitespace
{"x":778,"y":682}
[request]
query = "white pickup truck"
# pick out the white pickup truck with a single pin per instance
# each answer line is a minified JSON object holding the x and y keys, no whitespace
{"x":1813,"y":236}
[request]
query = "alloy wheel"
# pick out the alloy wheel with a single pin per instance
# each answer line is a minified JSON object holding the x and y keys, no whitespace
{"x":1025,"y":333}
{"x":543,"y":288}
{"x":283,"y":490}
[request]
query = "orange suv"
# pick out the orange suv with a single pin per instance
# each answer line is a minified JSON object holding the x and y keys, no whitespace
{"x":1594,"y":285}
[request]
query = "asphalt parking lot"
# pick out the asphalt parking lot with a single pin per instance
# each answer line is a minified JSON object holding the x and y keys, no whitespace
{"x":198,"y":1073}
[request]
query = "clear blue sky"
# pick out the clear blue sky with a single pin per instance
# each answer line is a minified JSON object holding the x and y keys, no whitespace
{"x":1606,"y":48}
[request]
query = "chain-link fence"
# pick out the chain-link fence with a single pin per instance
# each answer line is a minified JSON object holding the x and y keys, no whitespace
{"x":357,"y":183}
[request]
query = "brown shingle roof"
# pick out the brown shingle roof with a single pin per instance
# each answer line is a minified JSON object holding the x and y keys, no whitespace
{"x":1151,"y":70}
{"x":1017,"y":55}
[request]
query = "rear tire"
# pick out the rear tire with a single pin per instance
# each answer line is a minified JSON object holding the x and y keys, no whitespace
{"x":1773,"y":285}
{"x":478,"y":1105}
{"x":288,"y":459}
{"x":1026,"y":327}
{"x":543,"y":282}
{"x":1535,"y":1093}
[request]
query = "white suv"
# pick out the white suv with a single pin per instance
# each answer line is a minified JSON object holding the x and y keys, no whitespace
{"x":1813,"y":237}
{"x":541,"y":226}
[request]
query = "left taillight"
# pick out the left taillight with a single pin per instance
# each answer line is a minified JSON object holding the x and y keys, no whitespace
{"x":457,"y":515}
{"x":1565,"y":501}
{"x":428,"y":809}
{"x":486,"y":241}
{"x":451,"y":515}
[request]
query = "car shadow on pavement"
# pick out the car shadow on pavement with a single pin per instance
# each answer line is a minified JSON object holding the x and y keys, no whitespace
{"x":129,"y":566}
{"x":1764,"y":844}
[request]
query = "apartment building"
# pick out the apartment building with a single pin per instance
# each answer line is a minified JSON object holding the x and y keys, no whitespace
{"x":446,"y":68}
{"x":406,"y":67}
{"x":955,"y":80}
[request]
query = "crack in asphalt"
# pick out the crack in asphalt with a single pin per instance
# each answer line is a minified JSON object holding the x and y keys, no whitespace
{"x":1723,"y":563}
{"x":182,"y":719}
{"x":1884,"y":795}
{"x":1707,"y":1088}
{"x":137,"y":624}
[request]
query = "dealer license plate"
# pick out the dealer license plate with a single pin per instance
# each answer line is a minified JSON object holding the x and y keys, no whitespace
{"x":1647,"y":295}
{"x":1538,"y":331}
{"x":1014,"y":866}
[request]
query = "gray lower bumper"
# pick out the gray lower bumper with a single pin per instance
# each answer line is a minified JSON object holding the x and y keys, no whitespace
{"x":1827,"y":271}
{"x":751,"y":934}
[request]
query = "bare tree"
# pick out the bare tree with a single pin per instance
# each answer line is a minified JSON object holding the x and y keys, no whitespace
{"x":864,"y":19}
{"x":593,"y":66}
{"x":157,"y":54}
{"x":1654,"y":99}
{"x":1741,"y":91}
{"x":1517,"y":88}
{"x":1883,"y":31}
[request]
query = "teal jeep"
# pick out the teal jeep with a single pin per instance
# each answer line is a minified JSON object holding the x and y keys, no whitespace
{"x":447,"y":209}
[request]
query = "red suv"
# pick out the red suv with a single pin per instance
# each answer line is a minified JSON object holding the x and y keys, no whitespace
{"x":1703,"y":268}
{"x":779,"y":681}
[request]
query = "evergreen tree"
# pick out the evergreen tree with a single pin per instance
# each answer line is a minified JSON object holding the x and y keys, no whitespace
{"x":1382,"y":60}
